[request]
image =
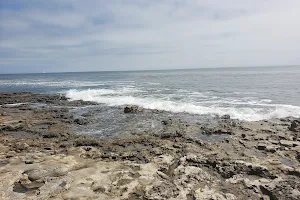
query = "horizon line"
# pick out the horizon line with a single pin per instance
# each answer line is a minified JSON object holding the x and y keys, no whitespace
{"x":141,"y":70}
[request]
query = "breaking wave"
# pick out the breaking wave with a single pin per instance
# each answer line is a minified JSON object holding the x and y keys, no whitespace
{"x":249,"y":110}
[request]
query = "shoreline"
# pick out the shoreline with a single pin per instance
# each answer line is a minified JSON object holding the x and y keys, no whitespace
{"x":43,"y":157}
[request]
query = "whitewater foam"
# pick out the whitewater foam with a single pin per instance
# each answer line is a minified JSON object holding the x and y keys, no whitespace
{"x":250,"y":111}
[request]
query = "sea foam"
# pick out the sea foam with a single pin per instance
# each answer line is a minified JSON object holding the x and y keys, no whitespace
{"x":251,"y":111}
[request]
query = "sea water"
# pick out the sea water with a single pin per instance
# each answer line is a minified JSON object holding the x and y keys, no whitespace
{"x":250,"y":94}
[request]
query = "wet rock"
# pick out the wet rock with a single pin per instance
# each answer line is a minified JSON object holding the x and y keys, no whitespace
{"x":182,"y":165}
{"x":81,"y":121}
{"x":295,"y":126}
{"x":171,"y":134}
{"x":172,"y":129}
{"x":216,"y":130}
{"x":11,"y":127}
{"x":225,"y":117}
{"x":86,"y":142}
{"x":24,"y":185}
{"x":298,"y":155}
{"x":50,"y":135}
{"x":132,"y":109}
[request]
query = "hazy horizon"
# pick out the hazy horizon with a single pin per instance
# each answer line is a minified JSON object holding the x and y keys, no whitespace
{"x":76,"y":36}
{"x":142,"y":70}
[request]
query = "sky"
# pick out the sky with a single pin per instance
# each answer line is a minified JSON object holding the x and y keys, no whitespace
{"x":96,"y":35}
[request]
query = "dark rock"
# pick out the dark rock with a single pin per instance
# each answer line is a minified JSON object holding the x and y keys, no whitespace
{"x":164,"y":122}
{"x":24,"y":187}
{"x":132,"y":109}
{"x":170,"y":134}
{"x":295,"y":126}
{"x":225,"y":117}
{"x":86,"y":142}
{"x":261,"y":146}
{"x":50,"y":135}
{"x":81,"y":121}
{"x":28,"y":162}
{"x":12,"y":127}
{"x":217,"y":131}
{"x":298,"y":155}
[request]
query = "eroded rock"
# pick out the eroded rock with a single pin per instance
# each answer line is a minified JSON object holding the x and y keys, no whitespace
{"x":132,"y":109}
{"x":295,"y":126}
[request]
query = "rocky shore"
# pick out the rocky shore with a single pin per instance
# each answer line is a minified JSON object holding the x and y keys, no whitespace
{"x":42,"y":156}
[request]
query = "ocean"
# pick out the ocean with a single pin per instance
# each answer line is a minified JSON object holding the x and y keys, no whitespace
{"x":250,"y":94}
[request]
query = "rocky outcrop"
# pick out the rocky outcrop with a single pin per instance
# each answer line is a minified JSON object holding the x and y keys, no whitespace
{"x":42,"y":157}
{"x":81,"y":121}
{"x":132,"y":109}
{"x":295,"y":126}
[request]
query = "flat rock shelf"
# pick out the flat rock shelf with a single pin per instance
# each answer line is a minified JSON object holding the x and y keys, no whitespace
{"x":46,"y":154}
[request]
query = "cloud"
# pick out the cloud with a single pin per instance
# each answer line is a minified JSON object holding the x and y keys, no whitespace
{"x":75,"y":35}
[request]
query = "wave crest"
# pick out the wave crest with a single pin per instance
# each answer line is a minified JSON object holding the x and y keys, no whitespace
{"x":246,"y":111}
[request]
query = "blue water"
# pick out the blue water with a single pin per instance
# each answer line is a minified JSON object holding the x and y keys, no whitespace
{"x":244,"y":93}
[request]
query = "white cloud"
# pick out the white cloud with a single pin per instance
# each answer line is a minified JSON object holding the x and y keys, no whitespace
{"x":118,"y":35}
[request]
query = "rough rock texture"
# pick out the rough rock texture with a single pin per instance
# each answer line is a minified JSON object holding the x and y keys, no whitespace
{"x":295,"y":126}
{"x":132,"y":109}
{"x":41,"y":157}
